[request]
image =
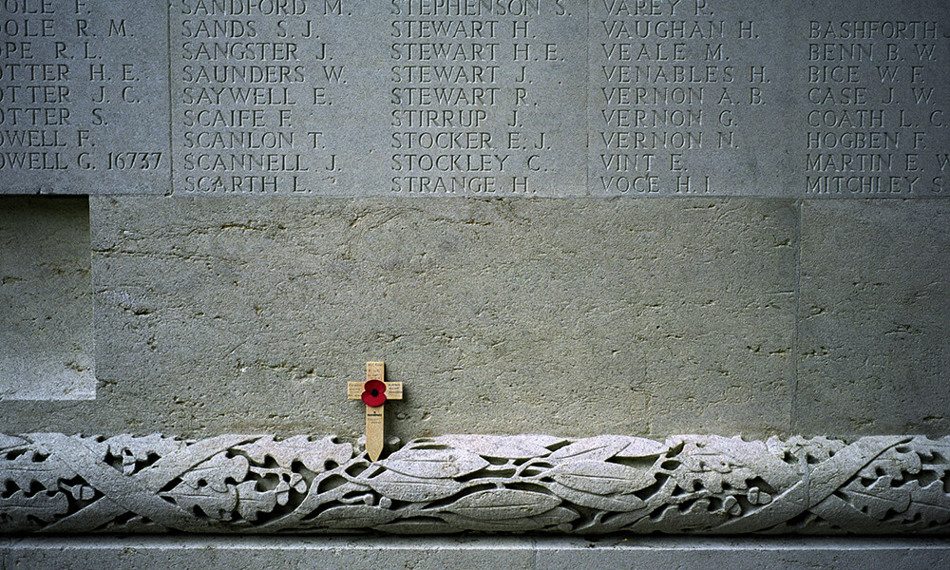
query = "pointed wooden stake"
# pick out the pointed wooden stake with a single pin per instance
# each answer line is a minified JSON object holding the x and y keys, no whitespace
{"x":374,"y":393}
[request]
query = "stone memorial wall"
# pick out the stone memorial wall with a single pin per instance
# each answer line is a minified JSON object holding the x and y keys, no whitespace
{"x":205,"y":230}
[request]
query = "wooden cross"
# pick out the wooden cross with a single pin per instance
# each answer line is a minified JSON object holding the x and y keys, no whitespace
{"x":374,"y":393}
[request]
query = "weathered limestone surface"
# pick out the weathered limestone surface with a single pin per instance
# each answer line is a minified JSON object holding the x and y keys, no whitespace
{"x":488,"y":552}
{"x":874,"y":318}
{"x":54,"y":483}
{"x":573,"y":317}
{"x":46,"y":321}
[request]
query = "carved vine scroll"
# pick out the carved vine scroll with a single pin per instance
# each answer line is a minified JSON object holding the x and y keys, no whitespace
{"x":55,"y":483}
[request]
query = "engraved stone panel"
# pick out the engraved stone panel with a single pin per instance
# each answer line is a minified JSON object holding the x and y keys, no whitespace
{"x":510,"y":76}
{"x":83,"y":97}
{"x":403,"y":98}
{"x":262,"y":94}
{"x":714,"y":97}
{"x":689,"y":98}
{"x":876,"y":116}
{"x":475,"y":98}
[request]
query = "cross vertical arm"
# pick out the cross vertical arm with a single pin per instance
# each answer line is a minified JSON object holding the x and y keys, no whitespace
{"x":374,"y":393}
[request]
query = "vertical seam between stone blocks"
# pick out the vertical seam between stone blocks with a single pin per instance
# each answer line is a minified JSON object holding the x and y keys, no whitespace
{"x":171,"y":142}
{"x":587,"y":191}
{"x":92,"y":300}
{"x":793,"y":411}
{"x":534,"y":548}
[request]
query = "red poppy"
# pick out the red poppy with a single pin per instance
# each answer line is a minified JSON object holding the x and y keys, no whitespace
{"x":374,"y":393}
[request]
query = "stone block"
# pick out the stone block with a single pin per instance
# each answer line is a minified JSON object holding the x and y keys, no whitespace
{"x":874,"y":318}
{"x":46,"y":327}
{"x":743,"y":553}
{"x":223,"y":315}
{"x":488,"y":552}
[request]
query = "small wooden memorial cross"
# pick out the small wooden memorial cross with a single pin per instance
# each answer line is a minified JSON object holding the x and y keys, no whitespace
{"x":374,"y":393}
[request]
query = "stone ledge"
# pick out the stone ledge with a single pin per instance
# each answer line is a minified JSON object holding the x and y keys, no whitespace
{"x":258,"y":484}
{"x":484,"y":552}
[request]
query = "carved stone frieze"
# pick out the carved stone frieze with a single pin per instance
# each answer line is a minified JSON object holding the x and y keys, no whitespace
{"x":55,"y":483}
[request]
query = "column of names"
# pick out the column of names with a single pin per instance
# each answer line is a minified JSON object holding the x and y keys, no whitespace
{"x":683,"y":99}
{"x":486,"y":98}
{"x":254,"y":85}
{"x":83,"y":97}
{"x":876,"y":120}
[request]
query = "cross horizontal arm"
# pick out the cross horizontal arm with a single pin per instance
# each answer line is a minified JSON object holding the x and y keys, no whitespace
{"x":393,"y":390}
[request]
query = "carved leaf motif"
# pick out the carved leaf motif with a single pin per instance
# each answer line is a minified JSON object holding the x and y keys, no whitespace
{"x":618,"y":503}
{"x":287,"y":477}
{"x":23,"y":470}
{"x":602,"y":478}
{"x":354,"y":516}
{"x":877,"y":498}
{"x":590,"y":449}
{"x":503,"y":447}
{"x":640,"y":447}
{"x":696,"y":516}
{"x":911,"y":506}
{"x":603,"y":447}
{"x":95,"y":444}
{"x":313,"y":454}
{"x":8,"y":442}
{"x":215,"y":472}
{"x":556,"y":517}
{"x":406,"y":488}
{"x":18,"y":508}
{"x":893,"y":464}
{"x":813,"y":450}
{"x":559,"y":517}
{"x":743,"y":459}
{"x":139,"y":448}
{"x":135,"y":451}
{"x":252,"y":502}
{"x":438,"y":463}
{"x":217,"y":505}
{"x":931,"y":503}
{"x":500,"y":504}
{"x":708,"y":464}
{"x":929,"y":446}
